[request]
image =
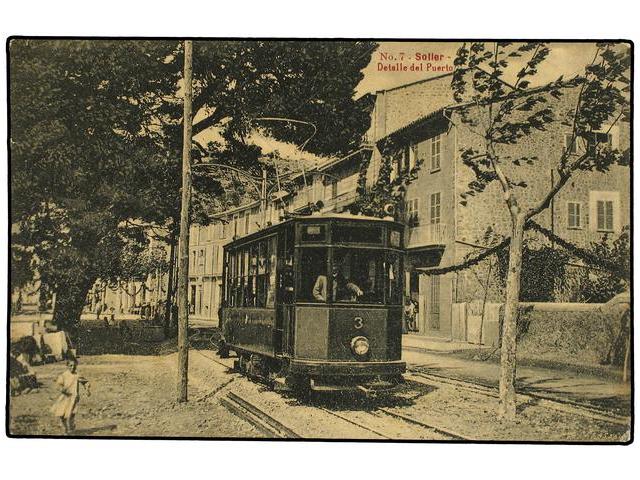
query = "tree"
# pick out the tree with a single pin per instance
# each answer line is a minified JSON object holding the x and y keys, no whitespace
{"x":238,"y":82}
{"x":298,"y":92}
{"x":81,"y":136}
{"x":502,"y":116}
{"x":603,"y":284}
{"x":385,"y":197}
{"x":96,"y":137}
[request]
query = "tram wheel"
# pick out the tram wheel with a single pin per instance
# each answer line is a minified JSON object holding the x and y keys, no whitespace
{"x":241,"y":363}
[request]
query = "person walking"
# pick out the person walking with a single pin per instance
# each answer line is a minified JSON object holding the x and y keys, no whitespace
{"x":409,"y":316}
{"x":66,"y":406}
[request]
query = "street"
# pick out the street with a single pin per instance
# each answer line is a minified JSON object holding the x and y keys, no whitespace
{"x":134,"y":395}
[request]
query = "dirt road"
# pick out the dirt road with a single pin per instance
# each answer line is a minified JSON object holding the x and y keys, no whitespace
{"x":131,"y":396}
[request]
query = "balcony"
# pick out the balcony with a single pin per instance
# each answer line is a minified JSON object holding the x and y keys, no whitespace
{"x":429,"y":235}
{"x":340,"y":201}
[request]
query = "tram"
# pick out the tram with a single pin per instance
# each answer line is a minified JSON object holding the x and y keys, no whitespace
{"x":315,"y":303}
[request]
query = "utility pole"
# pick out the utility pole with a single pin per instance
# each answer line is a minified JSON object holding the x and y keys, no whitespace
{"x":183,"y":267}
{"x":263,"y":197}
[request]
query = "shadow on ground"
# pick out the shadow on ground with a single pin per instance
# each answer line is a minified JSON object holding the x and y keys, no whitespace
{"x":113,"y":340}
{"x":403,"y":396}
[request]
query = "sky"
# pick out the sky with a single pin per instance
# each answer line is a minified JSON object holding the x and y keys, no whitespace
{"x":565,"y":58}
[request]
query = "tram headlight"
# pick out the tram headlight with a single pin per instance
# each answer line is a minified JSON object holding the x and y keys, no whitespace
{"x":360,"y":345}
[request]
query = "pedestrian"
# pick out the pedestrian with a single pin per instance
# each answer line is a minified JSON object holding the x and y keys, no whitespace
{"x":409,"y":316}
{"x":414,"y":318}
{"x":66,"y":406}
{"x":406,"y":316}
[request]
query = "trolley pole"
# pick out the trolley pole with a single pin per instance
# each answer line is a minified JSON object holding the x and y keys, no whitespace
{"x":183,"y":267}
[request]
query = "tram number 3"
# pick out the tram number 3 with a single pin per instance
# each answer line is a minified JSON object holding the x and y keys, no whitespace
{"x":358,"y":322}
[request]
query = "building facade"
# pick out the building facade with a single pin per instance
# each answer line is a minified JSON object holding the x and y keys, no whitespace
{"x":417,"y":123}
{"x":329,"y":187}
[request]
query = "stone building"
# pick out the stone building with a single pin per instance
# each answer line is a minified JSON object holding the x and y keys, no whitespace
{"x":419,"y":122}
{"x":416,"y":122}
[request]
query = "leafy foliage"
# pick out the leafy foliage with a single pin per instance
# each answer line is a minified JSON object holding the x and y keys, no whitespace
{"x":502,"y":114}
{"x":601,"y":285}
{"x":237,"y":83}
{"x":385,"y":192}
{"x":83,"y":142}
{"x":543,"y":266}
{"x":96,"y":138}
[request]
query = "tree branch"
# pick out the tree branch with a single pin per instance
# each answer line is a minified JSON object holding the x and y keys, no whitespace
{"x":208,"y":122}
{"x":565,"y":175}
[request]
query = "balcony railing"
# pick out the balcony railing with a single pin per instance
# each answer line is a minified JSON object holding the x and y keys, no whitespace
{"x":339,"y":201}
{"x":431,"y":234}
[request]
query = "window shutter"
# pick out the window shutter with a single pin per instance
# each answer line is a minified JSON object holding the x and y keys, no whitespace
{"x":574,"y":213}
{"x":609,"y":215}
{"x":600,"y":223}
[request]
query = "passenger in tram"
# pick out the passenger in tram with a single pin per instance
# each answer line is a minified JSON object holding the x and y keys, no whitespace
{"x":343,"y":289}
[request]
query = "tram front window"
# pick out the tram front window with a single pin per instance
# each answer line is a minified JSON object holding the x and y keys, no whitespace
{"x":313,"y":266}
{"x":358,"y":276}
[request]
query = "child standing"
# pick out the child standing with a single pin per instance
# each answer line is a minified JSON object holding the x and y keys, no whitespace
{"x":66,"y":405}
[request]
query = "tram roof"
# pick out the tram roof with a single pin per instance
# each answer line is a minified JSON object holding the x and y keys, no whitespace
{"x":345,"y":216}
{"x":311,"y":218}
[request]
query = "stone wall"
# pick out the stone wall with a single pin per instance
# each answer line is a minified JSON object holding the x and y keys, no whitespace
{"x":581,"y":335}
{"x":570,"y":334}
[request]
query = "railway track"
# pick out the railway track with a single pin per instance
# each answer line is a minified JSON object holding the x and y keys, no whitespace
{"x":393,"y":431}
{"x":445,"y":432}
{"x":257,"y":417}
{"x":562,"y":405}
{"x":388,"y":424}
{"x":375,"y":422}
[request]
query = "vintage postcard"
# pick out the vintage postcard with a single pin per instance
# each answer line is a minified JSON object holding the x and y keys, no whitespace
{"x":320,"y":239}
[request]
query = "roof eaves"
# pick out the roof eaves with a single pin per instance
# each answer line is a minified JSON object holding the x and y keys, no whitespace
{"x":410,"y":126}
{"x":410,"y":84}
{"x":340,"y":160}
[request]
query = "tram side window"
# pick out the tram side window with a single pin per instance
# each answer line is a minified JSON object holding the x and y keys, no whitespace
{"x":251,"y":277}
{"x":241,"y":279}
{"x":228,"y":278}
{"x":285,"y":278}
{"x":264,"y":282}
{"x":270,"y":273}
{"x":232,"y":279}
{"x":313,"y":275}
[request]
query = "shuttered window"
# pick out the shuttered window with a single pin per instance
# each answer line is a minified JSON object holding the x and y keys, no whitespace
{"x":412,"y":212}
{"x":435,"y":153}
{"x":574,"y":212}
{"x":605,"y":215}
{"x":435,"y":208}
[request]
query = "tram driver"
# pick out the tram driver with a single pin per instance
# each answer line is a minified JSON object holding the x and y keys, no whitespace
{"x":343,"y":290}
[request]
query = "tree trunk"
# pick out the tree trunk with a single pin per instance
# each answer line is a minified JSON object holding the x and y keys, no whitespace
{"x":169,"y":331}
{"x":70,"y":301}
{"x":507,"y":406}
